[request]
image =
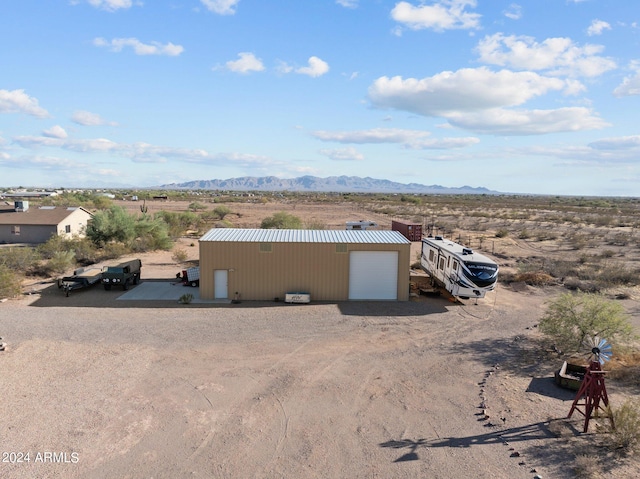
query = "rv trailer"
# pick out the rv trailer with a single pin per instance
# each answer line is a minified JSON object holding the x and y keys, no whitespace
{"x":461,"y":271}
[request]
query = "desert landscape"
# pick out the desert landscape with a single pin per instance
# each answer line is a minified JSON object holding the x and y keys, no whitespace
{"x":99,"y":386}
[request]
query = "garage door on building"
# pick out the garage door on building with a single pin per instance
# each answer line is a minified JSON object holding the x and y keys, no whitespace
{"x":373,"y":275}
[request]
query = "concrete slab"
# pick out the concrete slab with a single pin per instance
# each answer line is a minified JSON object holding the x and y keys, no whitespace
{"x":160,"y":291}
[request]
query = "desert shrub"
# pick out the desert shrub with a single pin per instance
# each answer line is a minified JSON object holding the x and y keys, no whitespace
{"x":112,"y":251}
{"x":314,"y":224}
{"x":222,"y":211}
{"x":411,"y":199}
{"x":586,"y":467}
{"x":85,"y":251}
{"x":19,"y":258}
{"x":524,"y":234}
{"x":502,"y":233}
{"x":10,"y":282}
{"x":195,"y":206}
{"x":535,"y":278}
{"x":186,"y":298}
{"x":282,"y":220}
{"x":62,"y":261}
{"x":151,"y":235}
{"x":573,"y":317}
{"x":224,"y":224}
{"x":178,"y":223}
{"x":179,"y":255}
{"x":52,"y":246}
{"x":626,"y":434}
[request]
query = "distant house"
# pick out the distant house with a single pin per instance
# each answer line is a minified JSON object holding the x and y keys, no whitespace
{"x":21,"y":224}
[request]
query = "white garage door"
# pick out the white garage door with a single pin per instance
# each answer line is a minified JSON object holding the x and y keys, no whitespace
{"x":373,"y":275}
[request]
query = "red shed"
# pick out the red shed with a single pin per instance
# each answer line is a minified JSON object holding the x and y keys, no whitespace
{"x":411,"y":231}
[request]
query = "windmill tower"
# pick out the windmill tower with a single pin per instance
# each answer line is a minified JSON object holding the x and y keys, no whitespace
{"x":592,"y":395}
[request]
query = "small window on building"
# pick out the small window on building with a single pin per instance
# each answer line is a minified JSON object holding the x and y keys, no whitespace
{"x":341,"y":248}
{"x":455,"y":266}
{"x":441,"y":263}
{"x":449,"y":262}
{"x":265,"y":247}
{"x":67,"y":229}
{"x":431,"y":255}
{"x":15,"y":230}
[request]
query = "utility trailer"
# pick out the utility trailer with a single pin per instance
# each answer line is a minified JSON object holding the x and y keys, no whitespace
{"x":190,"y":277}
{"x":81,"y":278}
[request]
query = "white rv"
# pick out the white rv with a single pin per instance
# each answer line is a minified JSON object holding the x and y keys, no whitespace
{"x":361,"y":225}
{"x":460,"y":270}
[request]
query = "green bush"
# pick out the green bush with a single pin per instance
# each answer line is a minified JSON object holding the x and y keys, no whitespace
{"x":114,"y":224}
{"x":19,"y":258}
{"x":54,"y":244}
{"x":179,"y":255}
{"x":186,"y":298}
{"x":10,"y":282}
{"x":62,"y":261}
{"x":282,"y":220}
{"x":626,"y":434}
{"x":222,"y":211}
{"x":572,"y":318}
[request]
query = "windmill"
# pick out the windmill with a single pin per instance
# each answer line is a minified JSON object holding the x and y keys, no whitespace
{"x":592,"y":395}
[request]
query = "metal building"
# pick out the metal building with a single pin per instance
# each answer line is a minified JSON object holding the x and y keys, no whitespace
{"x":329,"y":265}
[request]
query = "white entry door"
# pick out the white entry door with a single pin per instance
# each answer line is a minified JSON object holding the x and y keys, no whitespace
{"x":220,"y":284}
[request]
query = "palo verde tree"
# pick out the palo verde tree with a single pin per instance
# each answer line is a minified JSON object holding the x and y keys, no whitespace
{"x":113,"y":224}
{"x":572,"y":318}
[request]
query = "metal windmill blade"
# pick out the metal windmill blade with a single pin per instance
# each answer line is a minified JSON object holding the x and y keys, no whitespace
{"x":598,"y":349}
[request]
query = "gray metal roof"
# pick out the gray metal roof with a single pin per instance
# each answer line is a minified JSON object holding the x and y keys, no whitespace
{"x":304,"y":236}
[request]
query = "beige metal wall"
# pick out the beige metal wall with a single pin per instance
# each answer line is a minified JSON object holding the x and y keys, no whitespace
{"x":315,"y":268}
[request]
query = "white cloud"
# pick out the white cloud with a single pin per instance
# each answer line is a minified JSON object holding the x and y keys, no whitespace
{"x":17,"y":101}
{"x":500,"y":121}
{"x":146,"y":153}
{"x":597,"y":27}
{"x":631,"y":84}
{"x":221,"y":7}
{"x":247,"y":62}
{"x":42,"y":163}
{"x":87,"y":118}
{"x":468,"y":89}
{"x":342,"y":154}
{"x":316,"y":68}
{"x":55,"y":132}
{"x":557,"y":56}
{"x":442,"y":15}
{"x":139,"y":48}
{"x":415,"y":139}
{"x":111,"y":5}
{"x":618,"y":143}
{"x":348,"y":3}
{"x":478,"y":100}
{"x":514,"y":12}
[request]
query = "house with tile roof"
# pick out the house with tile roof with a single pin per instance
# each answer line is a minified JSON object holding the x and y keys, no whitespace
{"x":34,"y":225}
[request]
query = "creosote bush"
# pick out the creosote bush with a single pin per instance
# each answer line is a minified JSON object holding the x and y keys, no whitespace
{"x":10,"y":282}
{"x":179,"y":255}
{"x":626,"y":434}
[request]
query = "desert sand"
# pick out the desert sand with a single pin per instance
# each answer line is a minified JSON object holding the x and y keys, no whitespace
{"x":98,"y":387}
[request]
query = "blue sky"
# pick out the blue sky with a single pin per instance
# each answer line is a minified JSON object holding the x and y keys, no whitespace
{"x":533,"y":96}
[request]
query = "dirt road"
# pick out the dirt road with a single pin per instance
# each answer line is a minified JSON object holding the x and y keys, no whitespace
{"x":273,"y":390}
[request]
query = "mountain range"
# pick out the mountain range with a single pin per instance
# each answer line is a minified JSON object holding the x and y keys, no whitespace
{"x":334,"y":184}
